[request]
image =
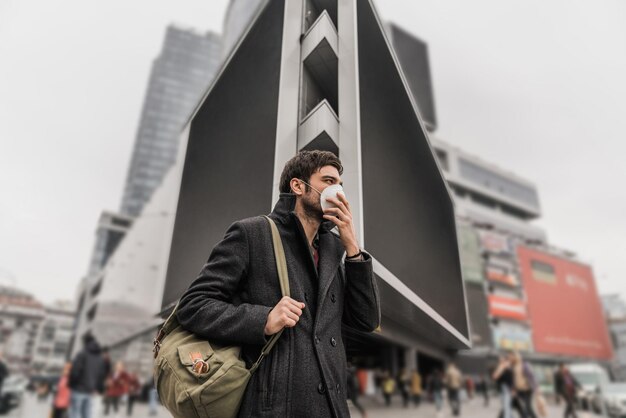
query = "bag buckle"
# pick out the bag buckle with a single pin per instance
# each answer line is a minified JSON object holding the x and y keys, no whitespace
{"x":156,"y":343}
{"x":199,"y":365}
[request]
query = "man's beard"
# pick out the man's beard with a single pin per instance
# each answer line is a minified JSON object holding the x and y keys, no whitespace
{"x":312,"y":207}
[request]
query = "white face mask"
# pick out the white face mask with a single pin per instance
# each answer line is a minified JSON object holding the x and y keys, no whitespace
{"x":330,"y":191}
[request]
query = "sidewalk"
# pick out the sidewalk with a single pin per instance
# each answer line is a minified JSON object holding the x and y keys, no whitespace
{"x":375,"y":409}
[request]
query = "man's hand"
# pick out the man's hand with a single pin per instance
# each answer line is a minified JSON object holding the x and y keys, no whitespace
{"x":342,"y":217}
{"x":286,"y":313}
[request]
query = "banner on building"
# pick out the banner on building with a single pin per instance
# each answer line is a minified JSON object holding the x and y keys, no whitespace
{"x":505,"y":307}
{"x":564,"y":306}
{"x":501,"y":275}
{"x":494,"y":243}
{"x":506,"y":338}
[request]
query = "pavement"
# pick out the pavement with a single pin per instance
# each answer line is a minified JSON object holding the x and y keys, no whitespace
{"x":375,"y":408}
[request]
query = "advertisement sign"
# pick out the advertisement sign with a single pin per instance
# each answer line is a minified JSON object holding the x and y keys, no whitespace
{"x":512,"y":339}
{"x":498,"y":274}
{"x":505,"y":307}
{"x":564,"y":306}
{"x":471,"y":259}
{"x":494,"y":242}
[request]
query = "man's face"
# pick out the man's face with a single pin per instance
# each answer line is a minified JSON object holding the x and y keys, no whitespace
{"x":321,"y":179}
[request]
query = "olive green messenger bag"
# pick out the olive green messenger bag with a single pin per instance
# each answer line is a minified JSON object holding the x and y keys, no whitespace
{"x":199,"y":379}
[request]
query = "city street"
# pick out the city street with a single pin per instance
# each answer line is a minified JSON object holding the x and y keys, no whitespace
{"x":31,"y":408}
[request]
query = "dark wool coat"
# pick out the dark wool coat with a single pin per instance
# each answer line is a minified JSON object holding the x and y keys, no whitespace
{"x":305,"y":373}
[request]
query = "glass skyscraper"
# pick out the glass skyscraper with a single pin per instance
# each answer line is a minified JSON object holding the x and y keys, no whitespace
{"x":180,"y":75}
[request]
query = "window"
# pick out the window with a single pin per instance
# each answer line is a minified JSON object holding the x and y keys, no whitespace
{"x":543,"y":272}
{"x":496,"y":182}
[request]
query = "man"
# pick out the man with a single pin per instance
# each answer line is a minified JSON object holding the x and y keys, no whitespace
{"x":566,"y":387}
{"x":236,"y":299}
{"x":503,"y":376}
{"x":87,"y":376}
{"x":453,"y":380}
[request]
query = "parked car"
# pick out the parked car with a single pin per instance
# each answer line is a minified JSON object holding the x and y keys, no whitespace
{"x":593,"y":378}
{"x":614,"y":397}
{"x":12,"y":390}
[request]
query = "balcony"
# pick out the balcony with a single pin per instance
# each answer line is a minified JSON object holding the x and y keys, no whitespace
{"x":319,"y":130}
{"x":319,"y":57}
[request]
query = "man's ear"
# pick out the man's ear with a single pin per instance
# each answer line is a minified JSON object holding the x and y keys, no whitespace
{"x":296,"y":187}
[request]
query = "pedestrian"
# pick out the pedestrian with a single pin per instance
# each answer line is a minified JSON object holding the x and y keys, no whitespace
{"x":134,"y":391}
{"x":435,"y":388}
{"x":470,"y":387}
{"x":403,"y":380}
{"x":482,"y":387}
{"x":566,"y":387}
{"x":153,"y":397}
{"x":43,"y":390}
{"x":503,"y":376}
{"x":453,"y":380}
{"x":416,"y":387}
{"x":4,"y":370}
{"x":236,"y":297}
{"x":87,"y":375}
{"x":523,"y":383}
{"x":61,"y":401}
{"x":354,"y":389}
{"x":389,"y":387}
{"x":116,"y":388}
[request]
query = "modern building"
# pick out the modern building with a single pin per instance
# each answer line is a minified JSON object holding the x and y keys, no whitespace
{"x":180,"y":75}
{"x":109,"y":233}
{"x":124,"y":297}
{"x":523,"y":293}
{"x":292,"y":101}
{"x":20,"y":317}
{"x":286,"y":85}
{"x":326,"y":77}
{"x":53,"y":339}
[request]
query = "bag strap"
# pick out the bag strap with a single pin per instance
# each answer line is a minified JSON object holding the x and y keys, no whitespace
{"x":283,"y":277}
{"x":281,"y":266}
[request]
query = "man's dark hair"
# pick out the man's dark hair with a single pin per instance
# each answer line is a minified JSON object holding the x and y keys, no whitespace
{"x":304,"y":164}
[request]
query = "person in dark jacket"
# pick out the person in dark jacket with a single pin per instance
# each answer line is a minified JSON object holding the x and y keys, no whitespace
{"x":503,"y":377}
{"x":87,"y":377}
{"x":4,"y":371}
{"x":236,"y":298}
{"x":566,"y":387}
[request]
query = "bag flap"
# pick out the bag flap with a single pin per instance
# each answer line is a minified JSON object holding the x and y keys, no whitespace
{"x":188,"y":353}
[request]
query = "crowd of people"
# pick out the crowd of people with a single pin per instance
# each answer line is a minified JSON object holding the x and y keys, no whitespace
{"x":512,"y":379}
{"x":91,"y":377}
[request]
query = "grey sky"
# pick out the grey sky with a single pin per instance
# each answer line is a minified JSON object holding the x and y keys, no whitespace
{"x":535,"y":87}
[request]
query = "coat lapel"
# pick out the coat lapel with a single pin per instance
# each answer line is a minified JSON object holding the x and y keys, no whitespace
{"x":330,"y":256}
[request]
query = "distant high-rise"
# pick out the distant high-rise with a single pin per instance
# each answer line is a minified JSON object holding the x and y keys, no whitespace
{"x":180,"y":75}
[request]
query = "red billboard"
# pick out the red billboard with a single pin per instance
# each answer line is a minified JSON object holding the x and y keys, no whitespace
{"x":505,"y":307}
{"x":563,"y":306}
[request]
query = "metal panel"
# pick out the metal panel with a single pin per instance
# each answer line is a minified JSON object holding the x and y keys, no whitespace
{"x":408,"y":212}
{"x":229,"y":162}
{"x":413,"y":56}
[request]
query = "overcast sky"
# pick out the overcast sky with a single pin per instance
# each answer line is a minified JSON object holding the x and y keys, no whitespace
{"x":536,"y":87}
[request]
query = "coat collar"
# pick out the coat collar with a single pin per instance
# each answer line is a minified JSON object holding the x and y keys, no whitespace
{"x":330,"y":250}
